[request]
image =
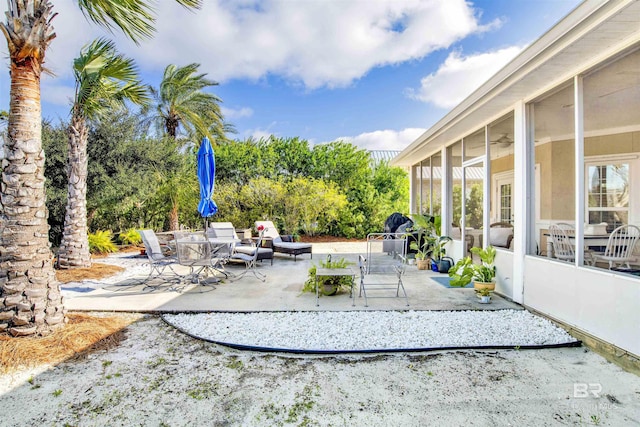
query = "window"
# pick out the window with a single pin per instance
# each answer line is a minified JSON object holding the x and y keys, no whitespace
{"x":608,"y":193}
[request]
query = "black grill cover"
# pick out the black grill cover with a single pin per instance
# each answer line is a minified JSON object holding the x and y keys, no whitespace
{"x":394,"y":221}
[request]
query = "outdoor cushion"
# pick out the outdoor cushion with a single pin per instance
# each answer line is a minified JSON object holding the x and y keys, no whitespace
{"x":283,"y":243}
{"x":263,"y":253}
{"x":500,"y":237}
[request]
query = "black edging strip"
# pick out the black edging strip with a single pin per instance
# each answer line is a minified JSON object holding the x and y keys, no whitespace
{"x":386,"y":350}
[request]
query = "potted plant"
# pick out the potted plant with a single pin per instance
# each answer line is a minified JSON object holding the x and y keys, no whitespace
{"x":483,"y":274}
{"x":328,"y":285}
{"x":420,"y":233}
{"x":425,"y":240}
{"x":485,"y":295}
{"x":441,"y":263}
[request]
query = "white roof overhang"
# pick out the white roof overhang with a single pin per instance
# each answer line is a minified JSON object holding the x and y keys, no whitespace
{"x":592,"y":32}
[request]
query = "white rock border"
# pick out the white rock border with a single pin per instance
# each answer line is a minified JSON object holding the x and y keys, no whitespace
{"x":331,"y":331}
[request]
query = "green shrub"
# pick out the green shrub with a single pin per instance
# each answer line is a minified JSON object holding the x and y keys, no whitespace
{"x":130,"y":237}
{"x":100,"y":242}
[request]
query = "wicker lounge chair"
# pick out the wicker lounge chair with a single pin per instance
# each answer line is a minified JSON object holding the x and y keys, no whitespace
{"x":283,"y":244}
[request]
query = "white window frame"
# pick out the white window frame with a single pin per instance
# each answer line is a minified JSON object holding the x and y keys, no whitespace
{"x":634,"y":172}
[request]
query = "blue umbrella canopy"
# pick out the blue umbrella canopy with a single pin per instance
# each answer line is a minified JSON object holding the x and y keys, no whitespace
{"x":206,"y":176}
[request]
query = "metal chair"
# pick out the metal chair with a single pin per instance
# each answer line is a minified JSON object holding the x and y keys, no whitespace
{"x":563,"y":247}
{"x":620,"y":246}
{"x":375,"y":285}
{"x":158,"y":261}
{"x":250,"y":261}
{"x":227,"y":231}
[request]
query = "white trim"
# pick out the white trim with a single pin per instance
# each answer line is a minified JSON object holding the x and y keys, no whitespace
{"x":610,"y":158}
{"x":496,"y":205}
{"x":578,"y":98}
{"x":634,"y":170}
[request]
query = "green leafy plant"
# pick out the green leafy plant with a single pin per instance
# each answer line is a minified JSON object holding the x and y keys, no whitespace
{"x":424,"y":228}
{"x":328,"y":285}
{"x":465,"y":270}
{"x":100,"y":242}
{"x":484,"y":292}
{"x":130,"y":237}
{"x":438,"y":247}
{"x":427,"y":243}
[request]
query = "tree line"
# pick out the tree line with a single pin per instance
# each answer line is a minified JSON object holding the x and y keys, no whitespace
{"x":136,"y":180}
{"x":106,"y":170}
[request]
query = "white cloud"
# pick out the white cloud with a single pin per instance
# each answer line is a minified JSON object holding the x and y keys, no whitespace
{"x":460,"y":75}
{"x":55,"y":93}
{"x":385,"y":139}
{"x":260,"y":133}
{"x":236,"y":113}
{"x":314,"y":43}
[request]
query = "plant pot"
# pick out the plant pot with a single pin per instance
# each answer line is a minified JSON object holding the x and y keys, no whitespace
{"x":445,"y":264}
{"x":485,"y":299}
{"x":484,"y":285}
{"x":423,"y":264}
{"x":329,"y":289}
{"x":143,"y":251}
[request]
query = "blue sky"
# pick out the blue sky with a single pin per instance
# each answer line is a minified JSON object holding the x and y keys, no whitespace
{"x":374,"y":72}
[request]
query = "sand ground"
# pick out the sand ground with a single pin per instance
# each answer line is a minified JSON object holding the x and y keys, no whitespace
{"x":159,"y":377}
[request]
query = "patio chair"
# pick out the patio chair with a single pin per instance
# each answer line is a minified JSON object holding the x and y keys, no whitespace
{"x":620,"y":246}
{"x":377,"y":285}
{"x":227,"y":230}
{"x":563,"y":247}
{"x":250,"y":262}
{"x":158,"y":261}
{"x":284,"y":244}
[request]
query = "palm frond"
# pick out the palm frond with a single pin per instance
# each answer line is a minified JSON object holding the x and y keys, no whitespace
{"x":105,"y":79}
{"x":133,"y":17}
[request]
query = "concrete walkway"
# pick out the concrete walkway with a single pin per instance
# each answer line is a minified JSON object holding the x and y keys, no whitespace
{"x":282,"y":290}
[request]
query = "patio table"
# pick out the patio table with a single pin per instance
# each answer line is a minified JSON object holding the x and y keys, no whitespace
{"x":590,"y":241}
{"x":336,"y":272}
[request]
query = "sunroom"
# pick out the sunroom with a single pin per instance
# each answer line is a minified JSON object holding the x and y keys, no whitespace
{"x":551,"y":142}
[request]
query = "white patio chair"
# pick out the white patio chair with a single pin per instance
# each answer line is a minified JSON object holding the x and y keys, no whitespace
{"x":620,"y":246}
{"x":563,"y":247}
{"x":226,"y":230}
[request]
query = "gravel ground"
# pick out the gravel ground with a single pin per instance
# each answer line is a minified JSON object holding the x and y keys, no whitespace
{"x":375,"y":330}
{"x":161,"y":377}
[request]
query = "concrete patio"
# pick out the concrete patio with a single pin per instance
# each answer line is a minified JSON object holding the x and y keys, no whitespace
{"x":282,"y":291}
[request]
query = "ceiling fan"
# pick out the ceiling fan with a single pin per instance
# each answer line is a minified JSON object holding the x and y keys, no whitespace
{"x":503,"y":141}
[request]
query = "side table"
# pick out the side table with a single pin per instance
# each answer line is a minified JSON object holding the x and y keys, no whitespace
{"x":336,"y":272}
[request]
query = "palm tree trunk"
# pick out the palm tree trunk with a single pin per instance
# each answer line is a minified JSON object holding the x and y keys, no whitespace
{"x":174,"y":223}
{"x":28,"y":286}
{"x":74,"y":248}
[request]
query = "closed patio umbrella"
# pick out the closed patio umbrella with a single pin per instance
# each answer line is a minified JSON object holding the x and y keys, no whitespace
{"x":206,"y":175}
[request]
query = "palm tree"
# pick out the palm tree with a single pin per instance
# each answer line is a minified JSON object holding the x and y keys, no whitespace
{"x":181,"y":105}
{"x":104,"y":80}
{"x":28,"y":287}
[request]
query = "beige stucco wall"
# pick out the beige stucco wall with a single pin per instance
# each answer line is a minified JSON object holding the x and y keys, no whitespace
{"x":612,"y":144}
{"x":503,"y":164}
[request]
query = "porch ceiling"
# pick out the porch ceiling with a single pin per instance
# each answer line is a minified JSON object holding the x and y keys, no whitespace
{"x":586,"y":37}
